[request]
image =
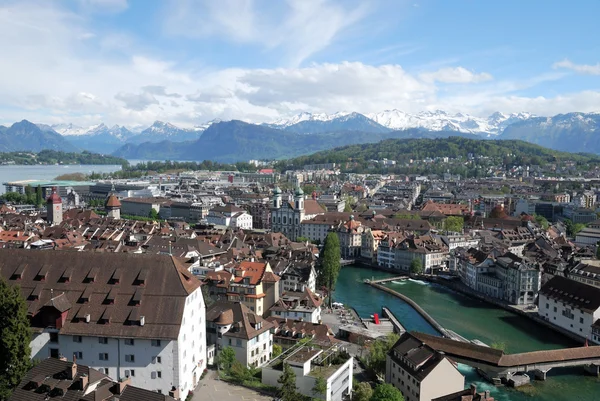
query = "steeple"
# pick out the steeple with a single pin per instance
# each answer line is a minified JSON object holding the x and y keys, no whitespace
{"x":54,"y":212}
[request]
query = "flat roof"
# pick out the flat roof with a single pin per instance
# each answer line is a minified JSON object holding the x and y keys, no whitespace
{"x":45,"y":183}
{"x":303,"y":355}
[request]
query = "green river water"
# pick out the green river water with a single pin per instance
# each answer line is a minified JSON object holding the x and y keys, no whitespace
{"x":472,"y":319}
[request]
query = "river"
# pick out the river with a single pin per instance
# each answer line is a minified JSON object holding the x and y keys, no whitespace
{"x":48,"y":172}
{"x":472,"y":319}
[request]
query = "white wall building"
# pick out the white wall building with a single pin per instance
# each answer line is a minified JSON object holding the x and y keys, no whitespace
{"x":137,"y":316}
{"x":571,"y":305}
{"x":230,"y":216}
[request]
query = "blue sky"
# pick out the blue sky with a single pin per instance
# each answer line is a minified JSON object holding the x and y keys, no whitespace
{"x":189,"y":61}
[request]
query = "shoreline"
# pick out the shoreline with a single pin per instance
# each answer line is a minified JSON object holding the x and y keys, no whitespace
{"x":459,"y":288}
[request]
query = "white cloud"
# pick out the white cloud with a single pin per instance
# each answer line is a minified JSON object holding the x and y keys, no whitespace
{"x":579,"y":68}
{"x":455,"y":75}
{"x":106,"y":6}
{"x":302,"y":29}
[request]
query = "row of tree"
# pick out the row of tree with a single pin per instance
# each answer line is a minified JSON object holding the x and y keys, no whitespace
{"x":30,"y":197}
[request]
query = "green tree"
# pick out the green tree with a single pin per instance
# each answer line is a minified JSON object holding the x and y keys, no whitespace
{"x":416,"y":266}
{"x":153,"y":214}
{"x":29,"y":195}
{"x":320,"y":387}
{"x":302,"y":239}
{"x":362,"y":392}
{"x":330,"y":263}
{"x":378,"y":350}
{"x":386,"y":392}
{"x":276,"y":350}
{"x":226,"y":358}
{"x":39,"y":199}
{"x":15,"y":337}
{"x":239,"y":371}
{"x":541,"y":221}
{"x":407,"y":216}
{"x":347,"y":207}
{"x":578,"y":227}
{"x":499,"y":345}
{"x":454,"y":224}
{"x":288,"y":390}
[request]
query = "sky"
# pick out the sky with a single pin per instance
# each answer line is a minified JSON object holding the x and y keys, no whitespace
{"x":131,"y":62}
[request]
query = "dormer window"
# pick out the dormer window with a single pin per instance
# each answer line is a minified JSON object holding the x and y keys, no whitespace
{"x":141,"y":277}
{"x":85,"y":297}
{"x":66,"y":276}
{"x":116,"y":276}
{"x":136,"y":300}
{"x":18,"y":273}
{"x":43,"y":273}
{"x":91,"y":276}
{"x":110,"y":297}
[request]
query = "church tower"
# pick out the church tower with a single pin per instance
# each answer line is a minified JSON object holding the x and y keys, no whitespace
{"x":276,"y":198}
{"x":299,"y":199}
{"x":113,"y":207}
{"x":54,"y":212}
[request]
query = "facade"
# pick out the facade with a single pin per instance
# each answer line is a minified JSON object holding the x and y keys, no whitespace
{"x":230,"y":216}
{"x":571,"y":305}
{"x":308,"y":363}
{"x":350,"y":236}
{"x":287,"y":217}
{"x":431,"y":252}
{"x":297,"y":278}
{"x":304,"y":306}
{"x":370,"y":244}
{"x":141,"y":206}
{"x":586,"y":272}
{"x":420,"y":372}
{"x":54,"y":211}
{"x":59,"y":379}
{"x":128,"y":316}
{"x":232,"y":324}
{"x":252,"y":283}
{"x":288,"y":332}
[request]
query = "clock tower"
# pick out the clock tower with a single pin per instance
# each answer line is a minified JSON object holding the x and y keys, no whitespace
{"x":54,"y":212}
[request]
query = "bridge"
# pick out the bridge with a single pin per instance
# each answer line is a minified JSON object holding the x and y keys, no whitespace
{"x":494,"y":363}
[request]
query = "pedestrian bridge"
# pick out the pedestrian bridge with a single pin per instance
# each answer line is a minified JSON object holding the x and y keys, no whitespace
{"x":496,"y":364}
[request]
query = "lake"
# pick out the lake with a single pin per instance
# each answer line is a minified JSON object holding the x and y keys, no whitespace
{"x":48,"y":172}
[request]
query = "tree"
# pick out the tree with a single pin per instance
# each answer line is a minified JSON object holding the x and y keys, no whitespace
{"x":362,"y":392}
{"x":153,"y":214}
{"x":378,"y":350}
{"x":239,"y":371}
{"x":330,"y":263}
{"x":386,"y":392}
{"x":276,"y":350}
{"x":320,"y":387}
{"x":39,"y":199}
{"x":454,"y":224}
{"x":541,"y":221}
{"x":416,"y":266}
{"x":288,"y":390}
{"x":407,"y":216}
{"x":15,"y":337}
{"x":347,"y":207}
{"x":302,"y":239}
{"x":226,"y":358}
{"x":499,"y":345}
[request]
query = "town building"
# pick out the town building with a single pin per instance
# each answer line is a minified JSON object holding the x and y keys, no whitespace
{"x":570,"y":305}
{"x":287,"y":217}
{"x":53,"y":378}
{"x":233,"y":324}
{"x":304,"y":306}
{"x":350,"y":237}
{"x":431,"y":252}
{"x":587,"y":272}
{"x":125,"y":315}
{"x":141,"y":206}
{"x":288,"y":332}
{"x":420,"y":372}
{"x":297,"y":277}
{"x":309,"y":363}
{"x":252,"y":283}
{"x":54,"y":208}
{"x":112,"y":206}
{"x":230,"y":216}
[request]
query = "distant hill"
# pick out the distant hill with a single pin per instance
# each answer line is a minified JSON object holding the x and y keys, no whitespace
{"x":161,"y":131}
{"x":572,"y":132}
{"x":26,"y":136}
{"x":232,"y":141}
{"x":403,"y":150}
{"x":349,"y":122}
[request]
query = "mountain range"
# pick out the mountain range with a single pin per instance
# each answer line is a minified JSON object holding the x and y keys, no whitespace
{"x":301,"y":134}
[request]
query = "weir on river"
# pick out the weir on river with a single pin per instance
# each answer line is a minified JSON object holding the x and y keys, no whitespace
{"x":472,"y":319}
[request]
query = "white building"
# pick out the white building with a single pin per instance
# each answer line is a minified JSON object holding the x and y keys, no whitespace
{"x":297,"y":278}
{"x":229,"y":216}
{"x":420,"y":372}
{"x":305,"y":306}
{"x":571,"y":305}
{"x":309,"y":363}
{"x":233,"y":324}
{"x":136,"y":316}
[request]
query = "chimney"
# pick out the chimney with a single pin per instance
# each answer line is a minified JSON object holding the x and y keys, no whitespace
{"x":63,"y":358}
{"x":83,"y":382}
{"x":72,"y":372}
{"x":142,"y":320}
{"x":486,"y":394}
{"x":87,"y":318}
{"x":473,"y":389}
{"x":124,"y":382}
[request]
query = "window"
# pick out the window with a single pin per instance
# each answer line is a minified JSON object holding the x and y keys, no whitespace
{"x":77,"y":339}
{"x":103,"y":340}
{"x":158,"y":374}
{"x":54,"y":353}
{"x":238,"y":342}
{"x":129,"y":341}
{"x":130,"y":358}
{"x":156,"y":343}
{"x":78,"y":354}
{"x":156,"y":359}
{"x":581,"y":320}
{"x":103,"y":356}
{"x":130,"y":373}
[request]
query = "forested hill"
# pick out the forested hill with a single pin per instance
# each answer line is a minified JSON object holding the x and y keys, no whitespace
{"x":507,"y":152}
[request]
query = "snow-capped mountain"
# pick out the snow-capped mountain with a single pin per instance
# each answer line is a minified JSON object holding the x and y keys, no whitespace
{"x":160,"y":131}
{"x":306,"y":116}
{"x":441,"y":121}
{"x":323,"y":123}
